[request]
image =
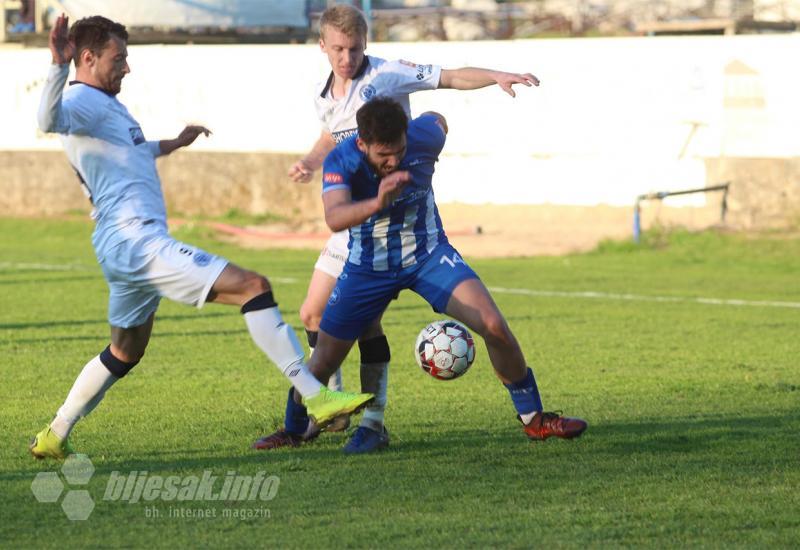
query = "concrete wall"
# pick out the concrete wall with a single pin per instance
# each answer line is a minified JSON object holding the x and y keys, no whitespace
{"x":613,"y":118}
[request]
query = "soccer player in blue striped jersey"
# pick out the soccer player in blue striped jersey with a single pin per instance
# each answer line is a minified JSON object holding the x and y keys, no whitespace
{"x":379,"y":185}
{"x":355,"y":78}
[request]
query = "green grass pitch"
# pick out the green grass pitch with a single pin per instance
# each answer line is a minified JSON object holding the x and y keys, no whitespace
{"x":693,"y":406}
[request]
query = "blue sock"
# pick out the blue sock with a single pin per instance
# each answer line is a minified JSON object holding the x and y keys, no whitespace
{"x":525,"y":395}
{"x":296,"y":416}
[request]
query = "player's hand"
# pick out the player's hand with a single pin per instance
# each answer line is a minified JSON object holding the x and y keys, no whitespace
{"x":507,"y":80}
{"x":62,"y":49}
{"x":300,"y":173}
{"x":391,"y":186}
{"x":191,"y":133}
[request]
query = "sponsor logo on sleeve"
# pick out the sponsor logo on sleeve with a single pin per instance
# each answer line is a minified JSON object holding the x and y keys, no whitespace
{"x":332,"y":177}
{"x":424,"y":71}
{"x":137,"y":135}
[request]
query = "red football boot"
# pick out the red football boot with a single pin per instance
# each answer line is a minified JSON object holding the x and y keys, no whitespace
{"x":551,"y":424}
{"x":282,"y":438}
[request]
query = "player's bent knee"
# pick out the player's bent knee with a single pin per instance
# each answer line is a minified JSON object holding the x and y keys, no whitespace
{"x":374,"y":350}
{"x":374,"y":330}
{"x":119,"y":366}
{"x":497,"y":331}
{"x":309,"y":317}
{"x":254,"y":284}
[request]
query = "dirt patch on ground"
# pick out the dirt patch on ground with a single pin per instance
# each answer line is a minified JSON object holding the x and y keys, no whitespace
{"x":500,"y":231}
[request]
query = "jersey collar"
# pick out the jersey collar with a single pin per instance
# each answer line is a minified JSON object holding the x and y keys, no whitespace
{"x":109,"y":94}
{"x":361,"y":70}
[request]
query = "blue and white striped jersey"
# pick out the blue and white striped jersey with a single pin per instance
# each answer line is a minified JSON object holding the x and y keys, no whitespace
{"x":405,"y":233}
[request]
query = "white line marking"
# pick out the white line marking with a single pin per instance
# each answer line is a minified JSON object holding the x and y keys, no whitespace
{"x":642,"y":298}
{"x":284,"y":280}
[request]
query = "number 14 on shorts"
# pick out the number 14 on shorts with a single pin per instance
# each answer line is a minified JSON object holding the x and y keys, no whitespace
{"x":452,"y":262}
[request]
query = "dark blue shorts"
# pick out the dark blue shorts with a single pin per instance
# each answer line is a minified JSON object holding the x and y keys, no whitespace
{"x":360,"y":295}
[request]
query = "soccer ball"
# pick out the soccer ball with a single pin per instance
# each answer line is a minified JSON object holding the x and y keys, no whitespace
{"x":445,"y":349}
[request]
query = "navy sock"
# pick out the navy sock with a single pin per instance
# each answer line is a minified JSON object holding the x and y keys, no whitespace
{"x":525,"y":395}
{"x":296,"y":416}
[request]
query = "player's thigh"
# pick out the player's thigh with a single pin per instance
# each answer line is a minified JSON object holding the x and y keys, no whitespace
{"x":319,"y":290}
{"x":333,"y":256}
{"x":130,"y":302}
{"x":441,"y":274}
{"x":373,"y":330}
{"x":471,"y":303}
{"x":129,"y":344}
{"x":356,"y":301}
{"x":179,"y":271}
{"x":236,"y":285}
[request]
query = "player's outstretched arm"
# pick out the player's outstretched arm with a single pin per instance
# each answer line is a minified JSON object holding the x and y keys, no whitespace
{"x":303,"y":170}
{"x":184,"y":139}
{"x":472,"y":78}
{"x":342,"y":213}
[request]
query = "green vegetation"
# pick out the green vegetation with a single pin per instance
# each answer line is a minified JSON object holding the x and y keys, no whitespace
{"x":692,"y":405}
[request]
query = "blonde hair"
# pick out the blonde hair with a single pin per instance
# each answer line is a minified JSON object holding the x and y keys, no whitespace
{"x":345,"y":19}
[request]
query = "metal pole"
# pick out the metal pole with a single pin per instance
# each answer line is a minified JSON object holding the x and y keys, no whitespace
{"x":637,"y":228}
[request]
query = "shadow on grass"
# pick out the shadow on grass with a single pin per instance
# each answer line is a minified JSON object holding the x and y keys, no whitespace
{"x":102,"y":321}
{"x":683,"y":437}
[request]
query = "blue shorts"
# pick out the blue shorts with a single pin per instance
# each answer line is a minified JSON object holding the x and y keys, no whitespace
{"x":360,"y":295}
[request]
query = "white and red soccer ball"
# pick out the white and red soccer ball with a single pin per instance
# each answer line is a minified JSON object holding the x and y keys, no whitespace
{"x":445,"y":349}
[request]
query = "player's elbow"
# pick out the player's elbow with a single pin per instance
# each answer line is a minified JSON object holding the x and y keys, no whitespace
{"x":335,"y":224}
{"x":45,"y":123}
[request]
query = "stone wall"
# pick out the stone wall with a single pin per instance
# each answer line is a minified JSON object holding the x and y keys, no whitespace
{"x":764,"y":193}
{"x":208,"y":183}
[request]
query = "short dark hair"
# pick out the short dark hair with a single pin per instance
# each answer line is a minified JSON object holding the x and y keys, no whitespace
{"x":94,"y":33}
{"x":381,"y":120}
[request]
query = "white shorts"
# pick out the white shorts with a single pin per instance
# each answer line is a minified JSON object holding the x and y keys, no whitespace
{"x":140,"y":271}
{"x":333,"y":256}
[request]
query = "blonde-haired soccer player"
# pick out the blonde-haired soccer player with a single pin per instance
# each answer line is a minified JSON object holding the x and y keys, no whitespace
{"x":355,"y":79}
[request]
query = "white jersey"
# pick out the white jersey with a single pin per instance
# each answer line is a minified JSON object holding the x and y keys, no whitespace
{"x":108,"y":150}
{"x":375,"y":77}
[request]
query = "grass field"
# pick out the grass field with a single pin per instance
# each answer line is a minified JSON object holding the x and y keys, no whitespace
{"x":693,"y":405}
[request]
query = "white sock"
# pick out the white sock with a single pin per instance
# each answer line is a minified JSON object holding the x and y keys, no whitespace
{"x":374,"y":379}
{"x":527,"y":417}
{"x":88,"y":390}
{"x":280,"y":343}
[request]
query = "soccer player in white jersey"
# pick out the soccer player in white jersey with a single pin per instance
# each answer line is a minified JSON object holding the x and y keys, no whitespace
{"x":140,"y":261}
{"x":355,"y":78}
